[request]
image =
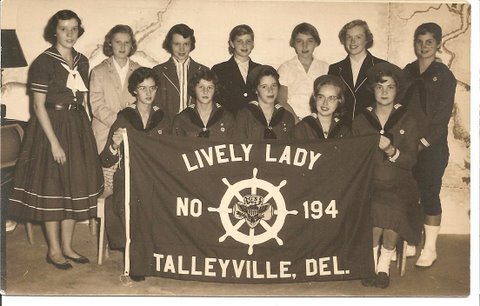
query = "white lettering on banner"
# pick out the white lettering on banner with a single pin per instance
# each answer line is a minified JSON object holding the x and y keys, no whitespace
{"x":218,"y":154}
{"x":300,"y":157}
{"x":186,"y":207}
{"x":221,"y":154}
{"x":224,"y":268}
{"x":323,"y":266}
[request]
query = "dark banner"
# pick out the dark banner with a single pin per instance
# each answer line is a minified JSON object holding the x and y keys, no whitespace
{"x":250,"y":212}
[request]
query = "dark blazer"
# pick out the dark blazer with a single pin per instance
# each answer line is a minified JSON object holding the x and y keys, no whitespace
{"x":234,"y":93}
{"x":168,"y":93}
{"x":357,"y":96}
{"x":430,"y":100}
{"x":188,"y":123}
{"x":310,"y":128}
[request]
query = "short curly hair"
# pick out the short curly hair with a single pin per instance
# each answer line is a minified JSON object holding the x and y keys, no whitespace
{"x":203,"y":74}
{"x":304,"y":28}
{"x":342,"y":35}
{"x":181,"y":29}
{"x":257,"y":73}
{"x":49,"y":33}
{"x":429,"y":27}
{"x":119,"y":28}
{"x":335,"y":82}
{"x":138,"y":76}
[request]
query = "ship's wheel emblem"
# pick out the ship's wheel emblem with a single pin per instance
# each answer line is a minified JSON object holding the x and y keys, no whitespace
{"x":252,"y":202}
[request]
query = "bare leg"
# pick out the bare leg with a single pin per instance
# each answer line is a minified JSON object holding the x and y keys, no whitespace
{"x":390,"y":239}
{"x":433,"y":220}
{"x":52,"y":229}
{"x":68,"y":226}
{"x":377,"y":234}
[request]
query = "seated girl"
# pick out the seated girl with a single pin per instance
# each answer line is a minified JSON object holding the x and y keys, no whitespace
{"x":264,"y":118}
{"x":204,"y":118}
{"x":394,"y":198}
{"x":327,"y":106}
{"x":140,"y":116}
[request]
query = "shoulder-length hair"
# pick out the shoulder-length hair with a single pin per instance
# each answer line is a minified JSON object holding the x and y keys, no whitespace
{"x":342,"y":35}
{"x":335,"y":82}
{"x":203,"y":74}
{"x":119,"y":28}
{"x":181,"y":29}
{"x":138,"y":76}
{"x":305,"y":28}
{"x":50,"y":30}
{"x":239,"y":30}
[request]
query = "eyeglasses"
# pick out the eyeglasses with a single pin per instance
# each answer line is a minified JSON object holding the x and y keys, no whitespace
{"x":331,"y":99}
{"x":144,"y":88}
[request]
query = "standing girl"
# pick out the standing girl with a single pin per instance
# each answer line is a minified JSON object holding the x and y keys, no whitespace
{"x":327,"y":106}
{"x":58,"y":175}
{"x":394,"y":204}
{"x":435,"y":86}
{"x":264,"y":118}
{"x":204,"y":118}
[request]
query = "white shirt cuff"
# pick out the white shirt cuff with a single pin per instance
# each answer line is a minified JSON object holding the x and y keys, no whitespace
{"x":425,"y":142}
{"x":395,"y":156}
{"x":114,"y":152}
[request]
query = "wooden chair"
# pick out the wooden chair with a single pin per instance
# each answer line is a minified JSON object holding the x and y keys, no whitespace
{"x":402,"y":256}
{"x":11,"y":142}
{"x":102,"y":245}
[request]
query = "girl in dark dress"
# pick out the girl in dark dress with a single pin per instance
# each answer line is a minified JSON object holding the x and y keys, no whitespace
{"x":204,"y":118}
{"x":140,"y":116}
{"x":434,"y":92}
{"x":394,"y":200}
{"x":58,"y":175}
{"x":264,"y":118}
{"x":327,"y":106}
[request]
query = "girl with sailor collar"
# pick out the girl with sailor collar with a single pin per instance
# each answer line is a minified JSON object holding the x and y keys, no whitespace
{"x":327,"y":106}
{"x":264,"y":119}
{"x":204,"y":118}
{"x":58,"y":176}
{"x":394,"y":197}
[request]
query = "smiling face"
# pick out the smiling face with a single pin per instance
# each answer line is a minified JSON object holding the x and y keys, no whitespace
{"x":66,"y":33}
{"x":242,"y":45}
{"x":145,"y":91}
{"x":356,"y":41}
{"x":386,"y":92}
{"x":204,"y":91}
{"x":121,"y":45}
{"x":181,"y":47}
{"x":304,"y":45}
{"x":326,"y":100}
{"x":267,"y":90}
{"x":426,"y":46}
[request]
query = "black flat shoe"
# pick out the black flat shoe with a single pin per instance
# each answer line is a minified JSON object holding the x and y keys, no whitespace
{"x":79,"y":260}
{"x":382,"y":280}
{"x":137,"y":278}
{"x":368,"y":282}
{"x":61,"y":266}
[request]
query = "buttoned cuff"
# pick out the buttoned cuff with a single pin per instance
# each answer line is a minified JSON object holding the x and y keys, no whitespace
{"x":395,"y":156}
{"x":424,"y":142}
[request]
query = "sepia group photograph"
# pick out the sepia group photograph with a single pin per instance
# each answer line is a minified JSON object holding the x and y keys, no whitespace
{"x":227,"y":151}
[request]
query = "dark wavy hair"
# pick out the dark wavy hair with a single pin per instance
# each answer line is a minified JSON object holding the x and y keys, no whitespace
{"x":335,"y":82}
{"x":181,"y":29}
{"x":342,"y":35}
{"x":377,"y":74}
{"x":203,"y":74}
{"x":119,"y":28}
{"x":257,"y":73}
{"x":239,"y":30}
{"x":138,"y":76}
{"x":305,"y":28}
{"x":429,"y":27}
{"x":49,"y":33}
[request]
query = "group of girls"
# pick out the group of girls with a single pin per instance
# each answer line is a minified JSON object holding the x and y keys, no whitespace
{"x":59,"y":174}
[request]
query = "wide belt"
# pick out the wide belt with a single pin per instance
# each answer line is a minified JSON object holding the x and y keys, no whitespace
{"x":64,"y":106}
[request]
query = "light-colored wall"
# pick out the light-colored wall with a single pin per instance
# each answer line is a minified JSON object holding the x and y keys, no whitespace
{"x":392,"y":24}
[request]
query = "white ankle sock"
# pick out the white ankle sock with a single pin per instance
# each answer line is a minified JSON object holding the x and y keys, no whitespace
{"x":431,"y":234}
{"x":384,"y":260}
